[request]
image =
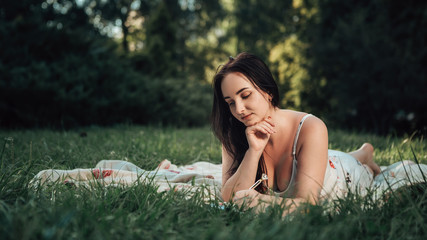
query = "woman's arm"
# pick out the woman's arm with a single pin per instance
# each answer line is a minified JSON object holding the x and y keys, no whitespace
{"x":243,"y":178}
{"x":312,"y":158}
{"x":257,"y":136}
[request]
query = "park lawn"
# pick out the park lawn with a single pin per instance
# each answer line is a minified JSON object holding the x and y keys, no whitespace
{"x":139,"y":212}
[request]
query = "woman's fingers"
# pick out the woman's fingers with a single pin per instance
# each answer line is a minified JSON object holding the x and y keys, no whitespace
{"x":259,"y":133}
{"x":270,"y":121}
{"x":247,"y":197}
{"x":264,"y":126}
{"x":244,"y":194}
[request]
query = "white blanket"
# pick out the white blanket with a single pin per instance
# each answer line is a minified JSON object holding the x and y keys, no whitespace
{"x":201,"y":176}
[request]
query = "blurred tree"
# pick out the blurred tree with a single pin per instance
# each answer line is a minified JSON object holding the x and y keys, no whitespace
{"x":161,"y":43}
{"x":120,"y":14}
{"x":148,"y":25}
{"x":261,"y":24}
{"x":367,"y":64}
{"x":57,"y":69}
{"x":288,"y":57}
{"x":357,"y":64}
{"x":199,"y":36}
{"x":268,"y":29}
{"x":175,"y":39}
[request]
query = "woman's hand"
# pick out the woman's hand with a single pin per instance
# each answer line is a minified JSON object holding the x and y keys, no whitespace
{"x":259,"y":134}
{"x":260,"y":202}
{"x":255,"y":200}
{"x":248,"y":197}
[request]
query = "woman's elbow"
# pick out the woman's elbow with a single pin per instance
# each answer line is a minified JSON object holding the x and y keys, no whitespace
{"x":226,"y":195}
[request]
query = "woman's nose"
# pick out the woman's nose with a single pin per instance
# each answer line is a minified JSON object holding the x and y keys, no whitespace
{"x":240,"y":107}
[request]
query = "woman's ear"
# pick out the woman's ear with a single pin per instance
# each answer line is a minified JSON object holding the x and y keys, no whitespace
{"x":269,"y":97}
{"x":265,"y":95}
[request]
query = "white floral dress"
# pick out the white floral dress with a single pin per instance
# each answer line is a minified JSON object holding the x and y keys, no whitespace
{"x":344,"y":173}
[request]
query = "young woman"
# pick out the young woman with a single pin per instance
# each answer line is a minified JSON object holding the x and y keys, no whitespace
{"x":290,"y":147}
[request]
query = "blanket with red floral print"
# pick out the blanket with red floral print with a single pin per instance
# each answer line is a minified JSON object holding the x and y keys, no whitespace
{"x":201,"y":176}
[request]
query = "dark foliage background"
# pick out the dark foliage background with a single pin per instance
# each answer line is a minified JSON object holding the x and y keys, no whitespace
{"x":356,"y":64}
{"x":57,"y":70}
{"x":373,"y":58}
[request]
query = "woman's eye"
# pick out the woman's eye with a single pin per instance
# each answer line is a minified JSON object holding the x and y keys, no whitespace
{"x":246,"y":95}
{"x":230,"y":103}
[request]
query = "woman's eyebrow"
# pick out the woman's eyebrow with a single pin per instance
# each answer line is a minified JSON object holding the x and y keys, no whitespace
{"x":237,"y":92}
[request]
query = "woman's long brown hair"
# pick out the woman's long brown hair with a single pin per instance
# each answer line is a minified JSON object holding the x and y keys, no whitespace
{"x":229,"y":130}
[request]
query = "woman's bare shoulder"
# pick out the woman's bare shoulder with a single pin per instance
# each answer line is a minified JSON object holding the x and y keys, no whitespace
{"x":291,"y":115}
{"x":292,"y":112}
{"x":314,"y":127}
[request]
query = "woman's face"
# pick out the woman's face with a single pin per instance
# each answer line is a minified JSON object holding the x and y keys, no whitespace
{"x":247,"y":103}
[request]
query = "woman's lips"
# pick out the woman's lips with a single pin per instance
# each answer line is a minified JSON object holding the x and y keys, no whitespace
{"x":246,"y":117}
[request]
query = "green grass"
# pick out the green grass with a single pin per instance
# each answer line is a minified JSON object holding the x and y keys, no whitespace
{"x":139,"y":212}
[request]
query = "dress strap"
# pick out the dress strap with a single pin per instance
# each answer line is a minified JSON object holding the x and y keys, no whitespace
{"x":297,"y":135}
